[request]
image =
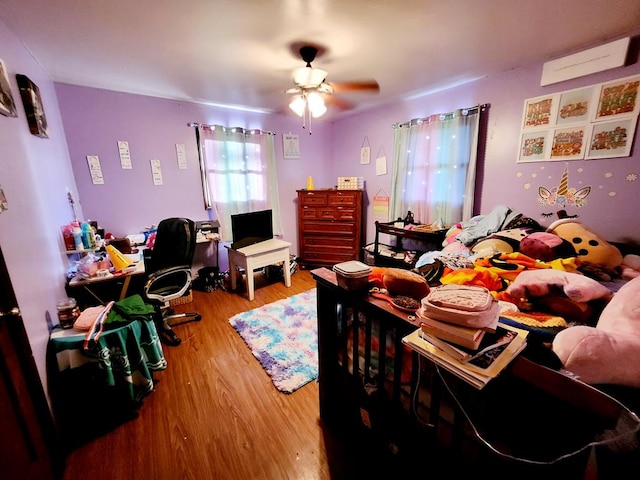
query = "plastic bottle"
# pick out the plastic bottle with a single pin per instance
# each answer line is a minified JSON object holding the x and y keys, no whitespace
{"x":77,"y":236}
{"x":67,"y":235}
{"x":88,"y":237}
{"x":409,"y":218}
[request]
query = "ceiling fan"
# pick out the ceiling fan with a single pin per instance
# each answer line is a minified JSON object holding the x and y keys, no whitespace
{"x":312,"y":91}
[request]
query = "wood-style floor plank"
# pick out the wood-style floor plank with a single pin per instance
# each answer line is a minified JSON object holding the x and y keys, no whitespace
{"x":215,"y":413}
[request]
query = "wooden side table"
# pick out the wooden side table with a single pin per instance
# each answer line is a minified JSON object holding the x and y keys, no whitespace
{"x":256,"y":256}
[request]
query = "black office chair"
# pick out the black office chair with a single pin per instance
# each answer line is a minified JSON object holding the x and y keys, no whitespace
{"x":168,"y":267}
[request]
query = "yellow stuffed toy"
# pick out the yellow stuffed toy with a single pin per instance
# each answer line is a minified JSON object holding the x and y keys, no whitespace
{"x":589,"y":246}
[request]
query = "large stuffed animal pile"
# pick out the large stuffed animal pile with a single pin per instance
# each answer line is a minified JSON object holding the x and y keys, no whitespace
{"x":567,"y":272}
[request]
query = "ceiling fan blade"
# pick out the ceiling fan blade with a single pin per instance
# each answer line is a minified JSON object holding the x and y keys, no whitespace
{"x":357,"y":86}
{"x":337,"y":102}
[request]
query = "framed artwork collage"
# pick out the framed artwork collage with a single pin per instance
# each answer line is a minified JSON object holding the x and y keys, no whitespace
{"x":597,"y":121}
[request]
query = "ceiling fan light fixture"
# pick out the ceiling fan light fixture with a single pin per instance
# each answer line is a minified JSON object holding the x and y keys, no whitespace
{"x":309,"y":76}
{"x":316,"y":104}
{"x":319,"y":111}
{"x":298,"y":105}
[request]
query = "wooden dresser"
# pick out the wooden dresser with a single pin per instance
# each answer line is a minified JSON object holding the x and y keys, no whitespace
{"x":329,"y":226}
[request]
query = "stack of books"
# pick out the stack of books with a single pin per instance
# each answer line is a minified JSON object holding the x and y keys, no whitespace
{"x":475,"y":355}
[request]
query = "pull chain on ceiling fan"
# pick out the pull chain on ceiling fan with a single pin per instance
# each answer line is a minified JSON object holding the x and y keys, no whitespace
{"x":311,"y":88}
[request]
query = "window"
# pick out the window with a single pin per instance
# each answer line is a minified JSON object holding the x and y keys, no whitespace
{"x":239,"y":173}
{"x":434,"y":167}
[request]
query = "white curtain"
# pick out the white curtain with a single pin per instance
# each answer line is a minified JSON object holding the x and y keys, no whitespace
{"x":239,"y":174}
{"x":434,"y":167}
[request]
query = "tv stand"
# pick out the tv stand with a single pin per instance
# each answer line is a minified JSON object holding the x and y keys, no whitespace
{"x":258,"y":255}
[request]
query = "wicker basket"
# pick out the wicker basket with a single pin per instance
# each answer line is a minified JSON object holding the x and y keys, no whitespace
{"x":187,"y":298}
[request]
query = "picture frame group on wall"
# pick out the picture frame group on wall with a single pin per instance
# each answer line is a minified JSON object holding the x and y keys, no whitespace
{"x":593,"y":122}
{"x":32,"y":102}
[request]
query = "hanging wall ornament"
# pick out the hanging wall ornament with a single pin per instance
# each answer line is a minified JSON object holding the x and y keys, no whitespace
{"x":365,"y":152}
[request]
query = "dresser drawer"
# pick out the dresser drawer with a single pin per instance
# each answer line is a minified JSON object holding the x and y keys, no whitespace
{"x":343,"y":198}
{"x":313,"y":242}
{"x":328,"y":228}
{"x":335,"y":213}
{"x":329,"y":213}
{"x":327,"y":257}
{"x":313,"y":199}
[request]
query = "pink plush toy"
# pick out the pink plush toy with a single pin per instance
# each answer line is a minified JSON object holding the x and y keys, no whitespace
{"x":630,"y":266}
{"x":608,"y":353}
{"x":577,"y":287}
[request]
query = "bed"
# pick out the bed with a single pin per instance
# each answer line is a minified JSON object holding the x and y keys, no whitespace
{"x":532,"y":418}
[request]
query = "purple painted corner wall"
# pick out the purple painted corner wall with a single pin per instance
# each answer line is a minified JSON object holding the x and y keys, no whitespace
{"x":36,"y":173}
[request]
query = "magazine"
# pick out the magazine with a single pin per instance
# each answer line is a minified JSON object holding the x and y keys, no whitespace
{"x":482,"y":369}
{"x":490,"y":344}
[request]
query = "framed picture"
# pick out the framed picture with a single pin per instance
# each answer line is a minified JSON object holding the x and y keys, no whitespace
{"x":612,"y":139}
{"x":575,"y":106}
{"x":7,"y":105}
{"x":534,"y":146}
{"x":33,"y":106}
{"x":618,"y":98}
{"x":569,"y":143}
{"x":539,"y":112}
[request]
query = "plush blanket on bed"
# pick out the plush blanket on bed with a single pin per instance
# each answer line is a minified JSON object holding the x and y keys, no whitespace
{"x":566,"y":270}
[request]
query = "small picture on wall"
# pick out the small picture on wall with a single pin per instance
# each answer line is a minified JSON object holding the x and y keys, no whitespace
{"x":533,"y":146}
{"x":612,"y":139}
{"x":569,"y":143}
{"x":539,"y":112}
{"x":7,"y":105}
{"x":32,"y":102}
{"x":574,"y":106}
{"x":619,"y":98}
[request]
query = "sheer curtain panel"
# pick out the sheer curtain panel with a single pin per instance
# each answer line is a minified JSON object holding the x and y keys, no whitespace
{"x":434,"y":166}
{"x":238,"y":169}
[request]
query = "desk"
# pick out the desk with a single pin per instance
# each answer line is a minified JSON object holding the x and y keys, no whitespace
{"x":259,"y":255}
{"x":86,"y":283}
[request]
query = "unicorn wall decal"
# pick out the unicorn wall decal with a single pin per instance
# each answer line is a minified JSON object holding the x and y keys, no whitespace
{"x":564,"y":195}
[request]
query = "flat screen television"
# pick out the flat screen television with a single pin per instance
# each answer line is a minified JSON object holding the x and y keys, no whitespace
{"x":251,"y":227}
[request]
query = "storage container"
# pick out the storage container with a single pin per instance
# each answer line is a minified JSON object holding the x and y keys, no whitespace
{"x":186,"y":298}
{"x":352,"y":275}
{"x":68,"y":312}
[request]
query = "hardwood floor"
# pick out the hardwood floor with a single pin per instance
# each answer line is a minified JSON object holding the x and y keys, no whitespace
{"x":215,"y":413}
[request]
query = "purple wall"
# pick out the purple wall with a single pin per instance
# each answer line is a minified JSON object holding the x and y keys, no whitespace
{"x":615,"y":183}
{"x":35,"y":174}
{"x":128,"y":201}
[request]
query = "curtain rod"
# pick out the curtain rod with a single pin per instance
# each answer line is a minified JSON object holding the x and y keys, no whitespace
{"x":467,"y":111}
{"x":197,"y":125}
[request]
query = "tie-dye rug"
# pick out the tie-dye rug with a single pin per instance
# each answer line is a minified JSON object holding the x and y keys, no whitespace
{"x":283,"y":336}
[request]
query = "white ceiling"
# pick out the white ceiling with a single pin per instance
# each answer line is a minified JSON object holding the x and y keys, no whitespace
{"x":237,"y":52}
